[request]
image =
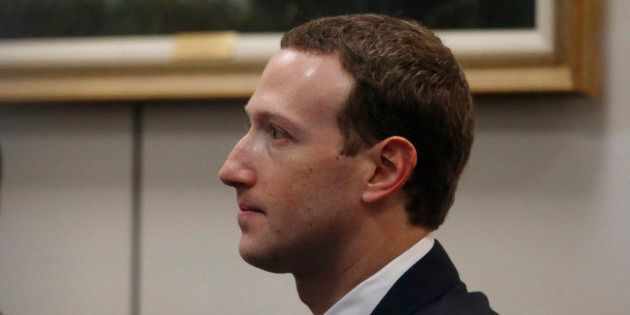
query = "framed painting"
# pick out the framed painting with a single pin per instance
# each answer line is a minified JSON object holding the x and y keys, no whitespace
{"x":70,"y":50}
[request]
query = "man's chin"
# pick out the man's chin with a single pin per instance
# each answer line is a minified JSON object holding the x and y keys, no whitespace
{"x":263,"y":260}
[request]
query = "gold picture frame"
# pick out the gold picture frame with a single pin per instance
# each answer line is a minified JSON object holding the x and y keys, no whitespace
{"x":228,"y":64}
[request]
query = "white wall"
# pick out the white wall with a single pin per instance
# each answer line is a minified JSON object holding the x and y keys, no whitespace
{"x":65,"y":212}
{"x":540,"y":222}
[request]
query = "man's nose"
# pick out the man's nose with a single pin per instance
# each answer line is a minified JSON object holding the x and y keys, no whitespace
{"x":237,"y":170}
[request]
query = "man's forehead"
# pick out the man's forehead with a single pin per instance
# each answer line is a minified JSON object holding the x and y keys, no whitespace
{"x":303,"y":79}
{"x":296,"y":65}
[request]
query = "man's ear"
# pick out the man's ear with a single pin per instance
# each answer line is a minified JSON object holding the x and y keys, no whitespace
{"x":395,"y":159}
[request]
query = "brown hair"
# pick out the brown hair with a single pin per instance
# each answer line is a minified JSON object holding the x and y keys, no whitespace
{"x":407,"y":83}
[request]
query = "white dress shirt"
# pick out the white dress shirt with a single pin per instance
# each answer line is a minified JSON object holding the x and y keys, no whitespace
{"x":364,"y":297}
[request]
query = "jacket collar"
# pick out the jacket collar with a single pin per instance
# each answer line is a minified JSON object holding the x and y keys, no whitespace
{"x":431,"y":277}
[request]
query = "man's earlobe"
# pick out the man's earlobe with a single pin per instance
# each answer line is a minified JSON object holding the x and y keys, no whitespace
{"x":395,"y":159}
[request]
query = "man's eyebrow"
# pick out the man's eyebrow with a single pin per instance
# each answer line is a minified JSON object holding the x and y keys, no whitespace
{"x":265,"y":114}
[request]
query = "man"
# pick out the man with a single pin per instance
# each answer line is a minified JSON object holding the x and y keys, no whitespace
{"x":360,"y":128}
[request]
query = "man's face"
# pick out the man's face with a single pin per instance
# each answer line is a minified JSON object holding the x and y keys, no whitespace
{"x":298,"y":197}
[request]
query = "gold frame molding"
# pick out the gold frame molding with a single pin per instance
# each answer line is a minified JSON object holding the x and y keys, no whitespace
{"x":206,"y":66}
{"x":576,"y":65}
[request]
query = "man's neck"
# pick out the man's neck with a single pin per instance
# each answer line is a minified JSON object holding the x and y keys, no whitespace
{"x":322,"y":287}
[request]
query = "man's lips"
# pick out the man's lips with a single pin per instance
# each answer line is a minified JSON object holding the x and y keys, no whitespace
{"x":250,"y":216}
{"x":250,"y":208}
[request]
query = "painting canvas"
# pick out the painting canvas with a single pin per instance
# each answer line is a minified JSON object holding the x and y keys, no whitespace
{"x":72,"y":18}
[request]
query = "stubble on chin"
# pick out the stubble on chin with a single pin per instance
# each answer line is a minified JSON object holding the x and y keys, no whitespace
{"x":267,"y":260}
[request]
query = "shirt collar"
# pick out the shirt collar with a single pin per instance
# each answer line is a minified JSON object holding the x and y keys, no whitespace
{"x":363,"y":298}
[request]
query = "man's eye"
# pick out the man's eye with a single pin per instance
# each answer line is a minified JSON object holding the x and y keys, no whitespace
{"x":275,"y":132}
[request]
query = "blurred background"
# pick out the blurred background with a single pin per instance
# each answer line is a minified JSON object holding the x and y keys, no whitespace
{"x":115,"y":207}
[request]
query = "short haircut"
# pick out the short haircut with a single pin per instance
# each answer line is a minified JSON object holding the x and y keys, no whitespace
{"x":408,"y":84}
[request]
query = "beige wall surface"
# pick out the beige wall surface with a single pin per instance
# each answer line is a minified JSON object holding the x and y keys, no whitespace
{"x":65,"y":210}
{"x":540,"y":223}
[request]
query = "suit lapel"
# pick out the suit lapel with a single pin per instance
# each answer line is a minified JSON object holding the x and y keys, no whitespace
{"x":427,"y":280}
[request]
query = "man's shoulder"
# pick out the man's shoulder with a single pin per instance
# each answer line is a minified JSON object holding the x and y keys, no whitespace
{"x":432,"y":286}
{"x":458,"y":301}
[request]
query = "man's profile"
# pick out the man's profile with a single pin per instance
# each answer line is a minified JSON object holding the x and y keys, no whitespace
{"x":360,"y":129}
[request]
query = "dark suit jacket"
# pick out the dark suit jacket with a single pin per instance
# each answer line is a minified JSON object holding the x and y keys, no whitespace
{"x":432,"y":286}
